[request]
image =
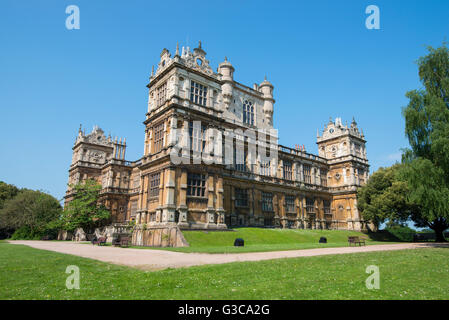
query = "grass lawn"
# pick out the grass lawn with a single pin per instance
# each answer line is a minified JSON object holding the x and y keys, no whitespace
{"x":28,"y":273}
{"x":259,"y":239}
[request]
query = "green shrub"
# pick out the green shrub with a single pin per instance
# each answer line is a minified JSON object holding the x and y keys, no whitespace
{"x":403,"y":233}
{"x":50,"y":232}
{"x":25,"y":233}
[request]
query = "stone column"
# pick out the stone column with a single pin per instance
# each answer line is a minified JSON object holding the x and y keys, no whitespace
{"x":145,"y":181}
{"x":150,"y":141}
{"x":168,"y":210}
{"x":345,"y":176}
{"x":279,"y":171}
{"x":251,"y":206}
{"x":298,"y":211}
{"x":164,"y":141}
{"x":219,"y":203}
{"x":140,"y":200}
{"x":282,"y":211}
{"x":210,"y":218}
{"x":109,"y":177}
{"x":295,"y":171}
{"x":277,"y":218}
{"x":352,"y":176}
{"x":356,"y":217}
{"x":173,"y":130}
{"x":159,"y":209}
{"x":183,"y":201}
{"x":145,"y":146}
{"x":233,"y":212}
{"x":210,"y":102}
{"x":176,"y":85}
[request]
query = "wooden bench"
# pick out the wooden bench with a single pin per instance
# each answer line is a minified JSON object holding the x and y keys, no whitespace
{"x":124,"y":241}
{"x":356,"y":241}
{"x":100,"y":241}
{"x":116,"y":242}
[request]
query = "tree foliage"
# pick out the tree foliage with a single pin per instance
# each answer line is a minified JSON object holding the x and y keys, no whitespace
{"x":7,"y":191}
{"x":84,"y":210}
{"x":385,"y":197}
{"x":418,"y":189}
{"x":426,"y":163}
{"x":31,"y":211}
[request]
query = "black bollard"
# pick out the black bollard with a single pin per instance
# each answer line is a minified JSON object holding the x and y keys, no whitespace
{"x":239,"y":242}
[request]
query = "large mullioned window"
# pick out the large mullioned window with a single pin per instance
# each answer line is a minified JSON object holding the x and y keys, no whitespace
{"x":290,"y":203}
{"x":267,"y":201}
{"x":241,"y":197}
{"x":287,"y":168}
{"x":307,"y":173}
{"x":327,"y":206}
{"x":158,"y":137}
{"x":265,"y":168}
{"x":248,"y":112}
{"x":133,"y":209}
{"x":197,"y":135}
{"x":240,"y":159}
{"x":155,"y":180}
{"x":196,"y":184}
{"x":198,"y":93}
{"x":310,"y":205}
{"x":161,"y":94}
{"x":323,"y":177}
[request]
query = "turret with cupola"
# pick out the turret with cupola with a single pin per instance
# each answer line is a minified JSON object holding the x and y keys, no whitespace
{"x":340,"y":140}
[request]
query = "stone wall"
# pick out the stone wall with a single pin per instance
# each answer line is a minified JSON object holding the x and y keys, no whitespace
{"x":64,"y":235}
{"x":163,"y":236}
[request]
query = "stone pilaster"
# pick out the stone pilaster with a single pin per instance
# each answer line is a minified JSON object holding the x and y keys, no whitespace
{"x":173,"y":131}
{"x":219,"y":203}
{"x":182,"y":209}
{"x":168,"y":209}
{"x":210,"y":212}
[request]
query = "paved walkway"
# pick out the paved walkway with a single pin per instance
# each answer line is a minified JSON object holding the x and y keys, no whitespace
{"x":161,"y":259}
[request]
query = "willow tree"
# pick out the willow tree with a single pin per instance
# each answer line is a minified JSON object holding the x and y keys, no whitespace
{"x":426,"y":163}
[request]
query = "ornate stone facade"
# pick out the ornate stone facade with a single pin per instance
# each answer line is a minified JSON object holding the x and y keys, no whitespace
{"x":297,"y":190}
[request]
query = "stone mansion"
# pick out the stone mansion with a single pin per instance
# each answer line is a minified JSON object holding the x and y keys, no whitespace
{"x":295,"y":190}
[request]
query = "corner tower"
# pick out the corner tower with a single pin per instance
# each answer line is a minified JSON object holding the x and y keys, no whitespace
{"x":344,"y":148}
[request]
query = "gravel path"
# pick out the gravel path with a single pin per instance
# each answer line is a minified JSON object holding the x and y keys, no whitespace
{"x":160,"y":259}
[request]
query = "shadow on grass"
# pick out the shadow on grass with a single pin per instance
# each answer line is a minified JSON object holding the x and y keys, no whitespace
{"x":383,"y":235}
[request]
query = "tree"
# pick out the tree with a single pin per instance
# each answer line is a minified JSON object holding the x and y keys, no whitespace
{"x":430,"y":192}
{"x":7,"y":191}
{"x":426,"y":164}
{"x":385,"y":198}
{"x":84,"y":210}
{"x":31,"y":211}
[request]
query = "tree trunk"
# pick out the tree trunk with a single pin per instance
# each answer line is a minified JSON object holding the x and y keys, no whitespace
{"x":439,"y":225}
{"x":439,"y":237}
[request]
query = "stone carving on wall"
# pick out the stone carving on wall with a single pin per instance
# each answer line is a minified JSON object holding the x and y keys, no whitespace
{"x":97,"y":137}
{"x":197,"y":60}
{"x":96,"y":156}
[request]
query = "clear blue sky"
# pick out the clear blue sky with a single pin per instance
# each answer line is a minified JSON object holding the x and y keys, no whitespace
{"x":318,"y":54}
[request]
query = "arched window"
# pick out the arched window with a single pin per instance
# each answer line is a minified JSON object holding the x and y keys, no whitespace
{"x":248,"y":112}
